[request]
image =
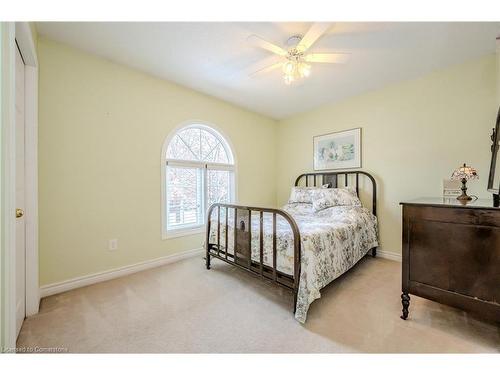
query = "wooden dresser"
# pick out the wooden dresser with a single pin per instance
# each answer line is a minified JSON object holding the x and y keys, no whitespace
{"x":451,"y":254}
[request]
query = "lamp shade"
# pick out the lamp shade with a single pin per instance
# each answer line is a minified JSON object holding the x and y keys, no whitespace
{"x":464,"y":172}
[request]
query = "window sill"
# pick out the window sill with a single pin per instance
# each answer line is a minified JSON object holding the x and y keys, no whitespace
{"x":182,"y":232}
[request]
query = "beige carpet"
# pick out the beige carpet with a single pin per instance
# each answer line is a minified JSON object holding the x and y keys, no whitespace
{"x":182,"y":307}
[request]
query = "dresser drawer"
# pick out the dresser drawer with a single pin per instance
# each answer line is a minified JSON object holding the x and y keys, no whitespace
{"x":454,"y":215}
{"x":461,"y":258}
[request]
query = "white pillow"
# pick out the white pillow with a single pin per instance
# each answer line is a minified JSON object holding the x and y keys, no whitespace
{"x":302,"y":194}
{"x":325,"y":198}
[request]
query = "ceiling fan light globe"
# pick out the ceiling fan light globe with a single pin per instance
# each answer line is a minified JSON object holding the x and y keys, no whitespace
{"x":304,"y":70}
{"x":288,"y":67}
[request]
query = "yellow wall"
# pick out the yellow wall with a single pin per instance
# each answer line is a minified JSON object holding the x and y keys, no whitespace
{"x":34,"y":34}
{"x":414,"y":134}
{"x":102,"y":125}
{"x":101,"y":129}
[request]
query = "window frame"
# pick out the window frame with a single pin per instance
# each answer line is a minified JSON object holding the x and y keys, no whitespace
{"x":205,"y":166}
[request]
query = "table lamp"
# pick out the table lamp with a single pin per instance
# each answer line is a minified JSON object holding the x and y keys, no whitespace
{"x":464,"y":174}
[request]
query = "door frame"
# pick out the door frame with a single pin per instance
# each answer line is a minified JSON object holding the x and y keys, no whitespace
{"x":8,"y":198}
{"x":24,"y":38}
{"x":10,"y":33}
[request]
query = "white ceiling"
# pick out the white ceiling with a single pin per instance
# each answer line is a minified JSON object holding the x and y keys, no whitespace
{"x":214,"y":58}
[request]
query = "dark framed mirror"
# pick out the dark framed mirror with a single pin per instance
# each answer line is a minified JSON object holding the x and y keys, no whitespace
{"x":494,"y":177}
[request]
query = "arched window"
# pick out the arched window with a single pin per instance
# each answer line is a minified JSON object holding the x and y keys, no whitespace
{"x":198,"y":170}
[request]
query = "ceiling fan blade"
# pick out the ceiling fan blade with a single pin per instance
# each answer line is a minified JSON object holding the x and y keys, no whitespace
{"x":264,"y":65}
{"x":266,"y":69}
{"x":313,"y":34}
{"x":336,"y":58}
{"x":261,"y":43}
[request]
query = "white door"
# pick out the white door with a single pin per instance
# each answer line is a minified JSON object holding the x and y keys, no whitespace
{"x":20,"y":197}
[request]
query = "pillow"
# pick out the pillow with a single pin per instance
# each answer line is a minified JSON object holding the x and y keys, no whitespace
{"x":324,"y":198}
{"x":301,"y":194}
{"x":298,"y":208}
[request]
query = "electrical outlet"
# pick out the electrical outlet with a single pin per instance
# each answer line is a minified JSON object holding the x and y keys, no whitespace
{"x":113,"y":244}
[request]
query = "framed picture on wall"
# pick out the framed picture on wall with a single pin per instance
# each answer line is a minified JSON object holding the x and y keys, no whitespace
{"x":340,"y":150}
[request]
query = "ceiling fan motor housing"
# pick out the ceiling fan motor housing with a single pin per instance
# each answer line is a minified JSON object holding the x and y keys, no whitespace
{"x":293,"y":41}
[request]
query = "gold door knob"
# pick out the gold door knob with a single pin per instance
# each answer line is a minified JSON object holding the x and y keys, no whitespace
{"x":19,"y":213}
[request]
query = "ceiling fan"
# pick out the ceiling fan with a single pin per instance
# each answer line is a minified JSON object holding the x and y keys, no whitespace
{"x":294,"y":61}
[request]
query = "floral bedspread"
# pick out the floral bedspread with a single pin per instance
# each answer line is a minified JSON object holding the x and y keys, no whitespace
{"x":333,"y":240}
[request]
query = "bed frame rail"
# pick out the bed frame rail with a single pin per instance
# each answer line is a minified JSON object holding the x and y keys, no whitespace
{"x":242,"y":243}
{"x":333,"y":179}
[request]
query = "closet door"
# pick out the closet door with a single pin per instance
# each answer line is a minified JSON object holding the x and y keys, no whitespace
{"x":20,"y":196}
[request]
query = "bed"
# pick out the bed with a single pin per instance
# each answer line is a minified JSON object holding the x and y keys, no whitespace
{"x":303,"y":246}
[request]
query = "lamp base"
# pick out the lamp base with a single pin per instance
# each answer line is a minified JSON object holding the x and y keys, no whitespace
{"x":464,"y":197}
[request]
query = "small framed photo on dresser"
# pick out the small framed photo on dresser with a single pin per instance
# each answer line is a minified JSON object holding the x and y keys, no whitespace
{"x":340,"y":150}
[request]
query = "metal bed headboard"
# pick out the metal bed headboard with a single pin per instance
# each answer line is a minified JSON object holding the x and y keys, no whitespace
{"x":332,"y":179}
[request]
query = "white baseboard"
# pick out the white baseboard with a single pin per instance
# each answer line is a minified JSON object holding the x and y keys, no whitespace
{"x":78,"y":282}
{"x":389,"y":255}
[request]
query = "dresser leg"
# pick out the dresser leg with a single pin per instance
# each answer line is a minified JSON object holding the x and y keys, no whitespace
{"x":405,"y":300}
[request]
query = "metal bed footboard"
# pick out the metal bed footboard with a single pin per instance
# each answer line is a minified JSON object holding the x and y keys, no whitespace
{"x":242,"y":243}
